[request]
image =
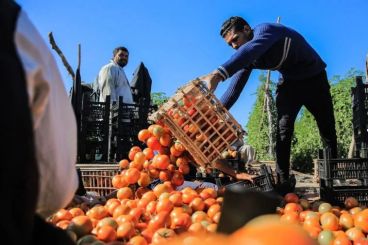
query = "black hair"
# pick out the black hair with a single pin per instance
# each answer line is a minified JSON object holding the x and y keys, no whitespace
{"x":235,"y":23}
{"x":116,"y":50}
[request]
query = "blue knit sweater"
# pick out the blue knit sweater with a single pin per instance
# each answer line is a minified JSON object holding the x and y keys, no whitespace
{"x":273,"y":47}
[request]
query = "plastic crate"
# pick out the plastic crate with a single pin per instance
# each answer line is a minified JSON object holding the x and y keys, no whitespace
{"x":126,"y":122}
{"x":94,"y":131}
{"x":337,"y":195}
{"x":200,"y":122}
{"x":97,"y":178}
{"x":353,"y":168}
{"x":264,"y":182}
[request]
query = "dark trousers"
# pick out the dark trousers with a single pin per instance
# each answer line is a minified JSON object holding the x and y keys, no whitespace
{"x":314,"y":94}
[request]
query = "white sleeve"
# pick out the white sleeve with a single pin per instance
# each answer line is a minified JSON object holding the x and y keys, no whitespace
{"x":107,"y":83}
{"x":53,"y":118}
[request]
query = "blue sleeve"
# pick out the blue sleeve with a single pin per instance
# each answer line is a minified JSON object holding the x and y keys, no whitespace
{"x":264,"y":38}
{"x":235,"y":88}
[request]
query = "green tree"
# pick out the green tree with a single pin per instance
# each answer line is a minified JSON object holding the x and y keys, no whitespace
{"x":158,"y":98}
{"x":257,"y":126}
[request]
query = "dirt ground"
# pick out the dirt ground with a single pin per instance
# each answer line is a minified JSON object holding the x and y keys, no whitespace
{"x":307,"y":185}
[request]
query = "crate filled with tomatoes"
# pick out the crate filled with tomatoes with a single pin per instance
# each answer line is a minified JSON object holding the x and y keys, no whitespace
{"x":200,"y":122}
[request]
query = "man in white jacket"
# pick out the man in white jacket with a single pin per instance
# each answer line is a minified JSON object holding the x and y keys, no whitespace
{"x":38,"y":176}
{"x":112,"y":79}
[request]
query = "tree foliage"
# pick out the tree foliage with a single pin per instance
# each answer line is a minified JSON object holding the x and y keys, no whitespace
{"x":158,"y":98}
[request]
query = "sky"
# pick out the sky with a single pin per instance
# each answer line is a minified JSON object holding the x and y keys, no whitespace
{"x":179,"y":40}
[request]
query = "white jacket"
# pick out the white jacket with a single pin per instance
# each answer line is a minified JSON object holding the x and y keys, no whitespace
{"x":53,"y":119}
{"x":113,"y":81}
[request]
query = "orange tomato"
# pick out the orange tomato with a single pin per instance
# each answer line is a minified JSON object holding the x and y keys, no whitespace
{"x":214,"y":209}
{"x":162,"y":161}
{"x":355,"y":234}
{"x":124,"y":163}
{"x":148,"y":152}
{"x":63,"y":224}
{"x":144,"y":179}
{"x":177,"y":178}
{"x":290,"y":218}
{"x":329,"y":221}
{"x":157,"y":131}
{"x":149,"y":196}
{"x":118,"y":181}
{"x":143,"y":135}
{"x":361,"y":220}
{"x":165,"y":139}
{"x":106,"y":233}
{"x":184,"y":168}
{"x":137,"y":240}
{"x":179,"y":146}
{"x":62,"y":214}
{"x":293,"y":207}
{"x":165,"y":175}
{"x":164,"y":205}
{"x":175,"y":152}
{"x":124,"y":193}
{"x":125,"y":230}
{"x":346,"y":221}
{"x":132,"y":175}
{"x":153,"y":143}
{"x":291,"y":197}
{"x":161,"y":188}
{"x":160,"y":220}
{"x":162,"y":235}
{"x":76,"y":212}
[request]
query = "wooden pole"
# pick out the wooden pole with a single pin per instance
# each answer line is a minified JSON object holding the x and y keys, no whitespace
{"x":267,"y":107}
{"x":55,"y":47}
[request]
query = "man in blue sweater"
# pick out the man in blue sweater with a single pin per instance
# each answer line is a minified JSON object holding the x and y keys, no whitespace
{"x":304,"y":82}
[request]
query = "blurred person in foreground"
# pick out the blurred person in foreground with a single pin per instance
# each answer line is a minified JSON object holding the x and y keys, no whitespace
{"x":38,"y":174}
{"x":304,"y":82}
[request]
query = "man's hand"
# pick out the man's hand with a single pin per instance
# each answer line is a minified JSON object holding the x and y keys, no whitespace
{"x":212,"y":80}
{"x":245,"y":176}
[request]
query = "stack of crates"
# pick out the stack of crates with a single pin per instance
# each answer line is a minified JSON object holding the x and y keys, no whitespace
{"x":342,"y":178}
{"x":126,"y":122}
{"x":200,"y":122}
{"x":360,"y":116}
{"x":93,"y":131}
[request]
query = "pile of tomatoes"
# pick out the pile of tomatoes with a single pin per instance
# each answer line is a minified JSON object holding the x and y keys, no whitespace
{"x":140,"y":215}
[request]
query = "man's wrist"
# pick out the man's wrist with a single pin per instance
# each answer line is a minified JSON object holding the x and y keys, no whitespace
{"x":217,"y":74}
{"x":223,"y":73}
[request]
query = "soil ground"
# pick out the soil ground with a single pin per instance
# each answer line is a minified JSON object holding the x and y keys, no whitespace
{"x":307,"y":185}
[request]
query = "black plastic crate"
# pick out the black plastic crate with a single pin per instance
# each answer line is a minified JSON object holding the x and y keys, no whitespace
{"x":354,"y":168}
{"x":264,"y":182}
{"x":93,"y":132}
{"x":337,"y":195}
{"x":126,"y":122}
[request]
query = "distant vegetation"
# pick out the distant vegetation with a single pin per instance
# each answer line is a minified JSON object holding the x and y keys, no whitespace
{"x":158,"y":98}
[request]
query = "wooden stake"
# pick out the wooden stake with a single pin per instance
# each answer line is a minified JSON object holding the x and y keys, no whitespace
{"x":55,"y":47}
